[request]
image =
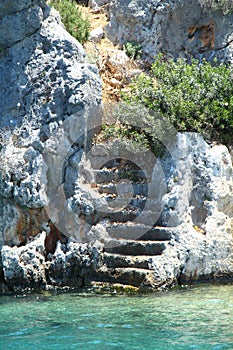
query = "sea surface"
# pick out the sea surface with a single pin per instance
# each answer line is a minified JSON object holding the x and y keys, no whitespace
{"x":187,"y":318}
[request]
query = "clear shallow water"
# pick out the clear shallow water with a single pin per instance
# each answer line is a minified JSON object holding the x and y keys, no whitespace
{"x":196,"y":318}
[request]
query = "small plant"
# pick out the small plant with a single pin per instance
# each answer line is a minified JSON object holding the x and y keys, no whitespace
{"x":2,"y":51}
{"x":133,"y":50}
{"x":72,"y":18}
{"x":129,"y":137}
{"x":92,"y":53}
{"x":193,"y":97}
{"x":135,"y":129}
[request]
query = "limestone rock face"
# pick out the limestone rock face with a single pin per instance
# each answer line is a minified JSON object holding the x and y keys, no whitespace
{"x":175,"y":28}
{"x":72,"y":264}
{"x":128,"y":217}
{"x":200,"y":185}
{"x":198,"y":201}
{"x":44,"y":80}
{"x":192,"y":240}
{"x":9,"y":7}
{"x":24,"y":267}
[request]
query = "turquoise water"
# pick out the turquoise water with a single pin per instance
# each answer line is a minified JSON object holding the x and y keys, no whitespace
{"x":190,"y":318}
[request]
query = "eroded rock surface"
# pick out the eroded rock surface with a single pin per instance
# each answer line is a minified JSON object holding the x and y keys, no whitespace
{"x":44,"y":79}
{"x":128,"y":217}
{"x":190,"y":239}
{"x":25,"y":268}
{"x":175,"y":28}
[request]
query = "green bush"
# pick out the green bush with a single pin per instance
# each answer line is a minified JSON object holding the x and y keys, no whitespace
{"x":130,"y":138}
{"x":194,"y":97}
{"x":72,"y":18}
{"x":136,"y":129}
{"x":133,"y":50}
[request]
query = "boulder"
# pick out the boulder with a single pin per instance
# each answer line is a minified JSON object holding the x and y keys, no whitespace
{"x":97,"y":3}
{"x":24,"y":268}
{"x":96,"y":34}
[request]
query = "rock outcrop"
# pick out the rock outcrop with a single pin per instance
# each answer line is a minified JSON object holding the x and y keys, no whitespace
{"x":76,"y":214}
{"x":184,"y":235}
{"x":175,"y":28}
{"x":44,"y":80}
{"x":25,"y":268}
{"x":177,"y":225}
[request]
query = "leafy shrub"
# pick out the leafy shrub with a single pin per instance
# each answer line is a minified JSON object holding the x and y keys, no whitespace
{"x":194,"y":97}
{"x":136,"y":129}
{"x":133,"y":50}
{"x":225,"y":6}
{"x":72,"y":18}
{"x":129,"y":137}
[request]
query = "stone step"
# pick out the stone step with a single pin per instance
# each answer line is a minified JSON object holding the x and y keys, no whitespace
{"x":158,"y":234}
{"x":124,"y":215}
{"x":117,"y":260}
{"x":135,"y":231}
{"x":119,"y":203}
{"x":127,"y":276}
{"x":132,"y":213}
{"x":124,"y":188}
{"x":132,"y":247}
{"x":127,"y":230}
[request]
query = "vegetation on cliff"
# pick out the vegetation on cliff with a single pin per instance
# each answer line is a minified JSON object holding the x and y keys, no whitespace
{"x":72,"y":18}
{"x":192,"y":96}
{"x":196,"y":96}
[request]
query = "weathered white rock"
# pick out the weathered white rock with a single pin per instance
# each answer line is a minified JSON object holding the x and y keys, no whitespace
{"x":96,"y":34}
{"x":117,"y":58}
{"x":44,"y":81}
{"x":71,"y":264}
{"x":200,"y":184}
{"x":24,"y":267}
{"x":97,"y":3}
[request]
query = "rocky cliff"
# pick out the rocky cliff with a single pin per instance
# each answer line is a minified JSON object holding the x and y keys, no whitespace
{"x":187,"y":29}
{"x":44,"y":80}
{"x":75,"y":212}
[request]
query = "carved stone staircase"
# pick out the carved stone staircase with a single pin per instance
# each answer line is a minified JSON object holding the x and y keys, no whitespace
{"x":133,"y":244}
{"x":130,"y":262}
